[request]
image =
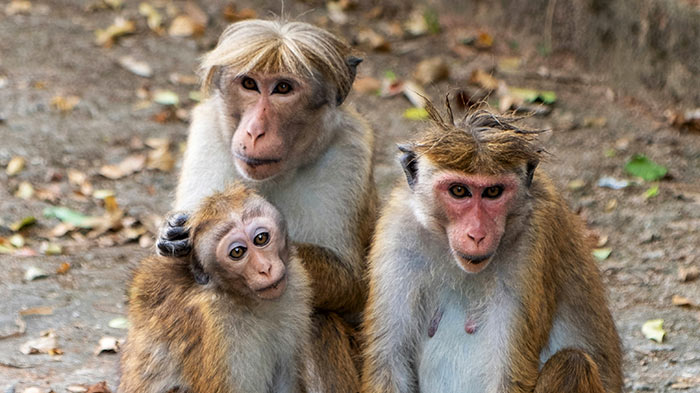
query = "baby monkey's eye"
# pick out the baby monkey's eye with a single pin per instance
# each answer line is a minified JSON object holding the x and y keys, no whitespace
{"x":261,"y":239}
{"x":493,"y":192}
{"x":237,"y":252}
{"x":459,"y":191}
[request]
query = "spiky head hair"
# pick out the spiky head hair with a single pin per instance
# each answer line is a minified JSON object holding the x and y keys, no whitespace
{"x":482,"y":142}
{"x":273,"y":46}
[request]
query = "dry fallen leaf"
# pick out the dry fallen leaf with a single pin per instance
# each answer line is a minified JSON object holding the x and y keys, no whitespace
{"x":100,"y":387}
{"x":688,"y":274}
{"x":232,"y":15}
{"x":681,"y":301}
{"x":182,"y":79}
{"x":373,"y":40}
{"x":120,"y":27}
{"x":415,"y":94}
{"x":64,"y":104}
{"x":185,"y":26}
{"x":47,"y":343}
{"x":431,"y":70}
{"x":64,"y":268}
{"x":108,"y":344}
{"x":483,"y":79}
{"x":154,"y":19}
{"x":18,"y":7}
{"x":367,"y":85}
{"x":129,"y":165}
{"x":77,"y":389}
{"x":161,"y":159}
{"x":137,"y":67}
{"x":25,"y":190}
{"x":33,"y":273}
{"x":653,"y":330}
{"x":15,"y":166}
{"x":41,"y":310}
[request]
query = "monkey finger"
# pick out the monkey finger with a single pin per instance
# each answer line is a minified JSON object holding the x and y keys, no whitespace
{"x":177,"y":248}
{"x":175,"y":233}
{"x":178,"y":219}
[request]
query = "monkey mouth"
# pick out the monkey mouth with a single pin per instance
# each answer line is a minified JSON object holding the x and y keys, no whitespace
{"x":271,"y":291}
{"x":474,"y":259}
{"x":254,"y":162}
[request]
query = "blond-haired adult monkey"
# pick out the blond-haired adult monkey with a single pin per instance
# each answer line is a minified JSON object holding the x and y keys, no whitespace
{"x":480,"y":276}
{"x":234,"y":317}
{"x":273,"y":119}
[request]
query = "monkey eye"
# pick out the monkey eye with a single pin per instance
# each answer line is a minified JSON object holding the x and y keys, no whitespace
{"x":459,"y":191}
{"x":282,"y":88}
{"x":237,"y":252}
{"x":492,"y":192}
{"x":261,"y":239}
{"x":249,"y":84}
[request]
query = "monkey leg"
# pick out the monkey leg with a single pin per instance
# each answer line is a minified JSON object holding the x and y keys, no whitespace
{"x":569,"y":371}
{"x":334,"y":356}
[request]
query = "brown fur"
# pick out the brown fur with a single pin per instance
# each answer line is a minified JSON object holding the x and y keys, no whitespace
{"x":190,"y":336}
{"x":570,"y":371}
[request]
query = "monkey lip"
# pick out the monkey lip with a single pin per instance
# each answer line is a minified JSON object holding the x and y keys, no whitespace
{"x":473,"y":259}
{"x":256,"y":161}
{"x":275,"y":290}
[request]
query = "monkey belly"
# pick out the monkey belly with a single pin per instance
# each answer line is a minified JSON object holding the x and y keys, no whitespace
{"x":453,"y":360}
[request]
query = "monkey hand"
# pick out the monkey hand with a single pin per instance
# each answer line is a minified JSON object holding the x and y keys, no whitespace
{"x":174,"y":236}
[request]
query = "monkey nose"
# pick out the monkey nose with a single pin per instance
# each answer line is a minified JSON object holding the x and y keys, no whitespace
{"x":476,"y":238}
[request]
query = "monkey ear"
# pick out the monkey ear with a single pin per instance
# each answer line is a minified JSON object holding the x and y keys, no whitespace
{"x":352,"y":62}
{"x":530,"y":172}
{"x":212,"y":79}
{"x":409,"y":164}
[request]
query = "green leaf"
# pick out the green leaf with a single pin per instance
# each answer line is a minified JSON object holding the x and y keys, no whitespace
{"x":639,"y":165}
{"x":530,"y":95}
{"x":602,"y":254}
{"x":548,"y":97}
{"x":390,"y":75}
{"x":415,"y":114}
{"x":654,"y":330}
{"x":195,"y":95}
{"x":651,"y":192}
{"x":25,"y":222}
{"x":69,"y":216}
{"x":432,"y":20}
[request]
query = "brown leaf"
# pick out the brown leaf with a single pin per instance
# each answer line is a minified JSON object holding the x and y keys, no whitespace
{"x":100,"y":387}
{"x":108,"y":344}
{"x":367,"y":85}
{"x":129,"y":165}
{"x":681,"y":301}
{"x":373,"y":40}
{"x":44,"y":344}
{"x":232,"y":15}
{"x":196,"y":14}
{"x":688,"y":274}
{"x":161,"y":159}
{"x":154,"y":19}
{"x":136,"y":67}
{"x":483,"y":79}
{"x":185,"y":26}
{"x":689,"y":120}
{"x":431,"y":70}
{"x":182,"y":79}
{"x":64,"y":268}
{"x":484,"y":40}
{"x":64,"y":104}
{"x":18,"y":7}
{"x":120,"y":27}
{"x":15,"y":166}
{"x":25,"y":190}
{"x":42,"y":310}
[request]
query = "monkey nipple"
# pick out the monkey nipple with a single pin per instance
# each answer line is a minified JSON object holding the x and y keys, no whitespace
{"x":470,"y":326}
{"x":434,"y":323}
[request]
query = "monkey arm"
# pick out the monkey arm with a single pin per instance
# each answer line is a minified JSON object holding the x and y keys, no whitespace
{"x":337,"y":284}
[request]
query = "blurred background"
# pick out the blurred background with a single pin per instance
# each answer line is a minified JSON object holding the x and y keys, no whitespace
{"x":95,"y":98}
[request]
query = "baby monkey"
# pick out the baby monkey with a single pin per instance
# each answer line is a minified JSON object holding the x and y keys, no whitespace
{"x":234,"y":317}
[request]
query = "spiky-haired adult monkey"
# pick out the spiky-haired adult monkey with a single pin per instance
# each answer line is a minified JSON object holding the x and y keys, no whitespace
{"x":273,"y":119}
{"x":480,"y":276}
{"x":233,"y":318}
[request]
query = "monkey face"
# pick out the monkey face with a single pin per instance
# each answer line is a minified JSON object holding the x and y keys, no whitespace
{"x":475,"y":211}
{"x":275,"y":119}
{"x":251,"y":257}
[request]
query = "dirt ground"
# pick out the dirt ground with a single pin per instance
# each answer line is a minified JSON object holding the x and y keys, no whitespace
{"x":49,"y":51}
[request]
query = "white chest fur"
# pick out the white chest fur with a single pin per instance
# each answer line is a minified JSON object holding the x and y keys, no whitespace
{"x":465,"y":351}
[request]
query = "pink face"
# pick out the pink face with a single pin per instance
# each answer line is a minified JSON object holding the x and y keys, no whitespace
{"x":250,"y":258}
{"x":476,"y":207}
{"x":267,"y":105}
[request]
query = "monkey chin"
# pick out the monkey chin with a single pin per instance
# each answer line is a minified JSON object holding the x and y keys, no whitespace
{"x":472,"y":263}
{"x":257,"y":169}
{"x":273,"y":291}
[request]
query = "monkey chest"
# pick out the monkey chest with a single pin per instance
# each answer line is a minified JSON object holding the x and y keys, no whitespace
{"x":460,"y":349}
